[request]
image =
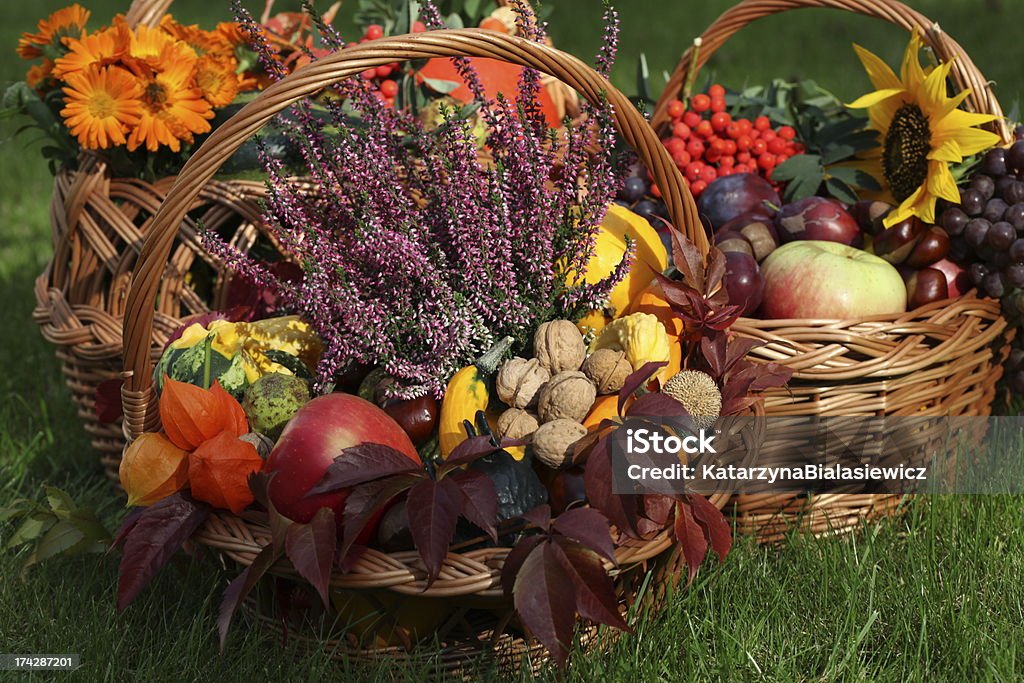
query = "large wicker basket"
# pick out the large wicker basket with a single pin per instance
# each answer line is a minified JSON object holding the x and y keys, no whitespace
{"x":941,"y":359}
{"x":469,"y":583}
{"x":98,"y":224}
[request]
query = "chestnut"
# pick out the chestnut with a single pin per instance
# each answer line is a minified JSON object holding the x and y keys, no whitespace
{"x":895,"y":244}
{"x":932,"y":247}
{"x":728,"y":241}
{"x":925,"y":286}
{"x":869,"y":214}
{"x":416,"y":416}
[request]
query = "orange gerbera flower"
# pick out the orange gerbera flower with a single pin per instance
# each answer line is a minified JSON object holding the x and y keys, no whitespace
{"x":216,"y":78}
{"x":102,"y":105}
{"x":64,"y":23}
{"x":39,"y":73}
{"x":102,"y":49}
{"x":173,"y":108}
{"x":159,"y":49}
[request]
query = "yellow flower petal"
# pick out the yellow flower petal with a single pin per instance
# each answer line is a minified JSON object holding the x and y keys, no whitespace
{"x":959,"y":119}
{"x":973,"y":140}
{"x":911,"y":72}
{"x":879,"y":72}
{"x":933,"y":91}
{"x":948,"y":151}
{"x":941,"y":182}
{"x":873,"y":98}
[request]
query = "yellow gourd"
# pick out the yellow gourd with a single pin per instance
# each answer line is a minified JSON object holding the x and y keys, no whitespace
{"x":649,"y":258}
{"x":641,"y":336}
{"x":467,"y":393}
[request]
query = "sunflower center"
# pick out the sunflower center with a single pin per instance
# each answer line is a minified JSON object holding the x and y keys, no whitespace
{"x":102,"y":105}
{"x":905,"y":152}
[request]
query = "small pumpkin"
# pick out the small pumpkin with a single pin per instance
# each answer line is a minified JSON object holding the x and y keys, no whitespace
{"x":649,"y":259}
{"x":605,"y":408}
{"x":652,"y":300}
{"x":640,"y":335}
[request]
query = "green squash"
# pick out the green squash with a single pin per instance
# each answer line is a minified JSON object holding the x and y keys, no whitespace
{"x":201,"y":364}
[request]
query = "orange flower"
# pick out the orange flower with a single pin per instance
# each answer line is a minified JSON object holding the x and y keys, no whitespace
{"x":232,"y":33}
{"x":101,"y":48}
{"x":203,"y":42}
{"x":64,"y":23}
{"x":102,"y":105}
{"x":173,"y":108}
{"x":39,"y":73}
{"x":158,"y":49}
{"x":216,"y":78}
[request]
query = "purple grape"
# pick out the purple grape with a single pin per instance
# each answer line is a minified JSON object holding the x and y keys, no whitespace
{"x":994,"y":210}
{"x":1014,"y":192}
{"x":1014,"y":274}
{"x":954,"y":220}
{"x":1015,"y":157}
{"x":1000,"y":236}
{"x":993,"y":285}
{"x":1018,"y":132}
{"x":994,"y":162}
{"x":985,"y":185}
{"x":959,"y":251}
{"x":1015,"y":216}
{"x":999,"y":259}
{"x":1004,"y":184}
{"x":975,"y":232}
{"x":977,"y":271}
{"x":1016,"y":251}
{"x":972,"y":202}
{"x":634,"y":189}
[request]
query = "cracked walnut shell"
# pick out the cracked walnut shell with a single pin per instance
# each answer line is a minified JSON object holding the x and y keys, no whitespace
{"x":607,"y":369}
{"x":519,"y":381}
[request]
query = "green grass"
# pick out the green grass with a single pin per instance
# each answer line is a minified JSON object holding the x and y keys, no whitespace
{"x":938,"y":594}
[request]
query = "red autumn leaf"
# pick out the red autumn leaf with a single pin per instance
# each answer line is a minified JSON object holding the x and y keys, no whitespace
{"x":433,"y":508}
{"x":716,"y":527}
{"x":545,"y":599}
{"x":595,"y":593}
{"x":219,"y":470}
{"x":588,"y":527}
{"x":636,"y":380}
{"x":359,"y":464}
{"x":366,"y":500}
{"x":691,"y":539}
{"x":192,"y":415}
{"x":241,"y":586}
{"x":311,"y":546}
{"x":108,"y":401}
{"x":657,"y":405}
{"x":515,"y":558}
{"x":471,"y":450}
{"x":157,"y":534}
{"x":481,"y":500}
{"x":539,"y":516}
{"x":622,"y":509}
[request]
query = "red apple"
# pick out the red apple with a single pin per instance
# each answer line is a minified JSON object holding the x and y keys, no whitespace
{"x":828,"y":280}
{"x":314,"y":437}
{"x":958,"y":281}
{"x":818,"y":219}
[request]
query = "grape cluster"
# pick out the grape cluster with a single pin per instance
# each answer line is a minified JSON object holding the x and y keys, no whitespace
{"x":987,"y":231}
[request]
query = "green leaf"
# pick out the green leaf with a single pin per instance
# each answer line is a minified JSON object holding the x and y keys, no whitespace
{"x":472,"y":7}
{"x":454,"y":21}
{"x":59,"y":501}
{"x":797,"y":166}
{"x":17,"y":508}
{"x":34,"y":526}
{"x":841,"y":191}
{"x":854,"y":176}
{"x":438,"y":85}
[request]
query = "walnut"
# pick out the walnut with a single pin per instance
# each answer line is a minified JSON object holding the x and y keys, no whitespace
{"x":553,"y":442}
{"x":519,"y":382}
{"x":516,"y":424}
{"x":568,"y":395}
{"x":607,"y":369}
{"x":558,"y":345}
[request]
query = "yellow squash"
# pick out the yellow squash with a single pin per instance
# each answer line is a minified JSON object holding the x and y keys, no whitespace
{"x":650,"y":258}
{"x":468,"y":392}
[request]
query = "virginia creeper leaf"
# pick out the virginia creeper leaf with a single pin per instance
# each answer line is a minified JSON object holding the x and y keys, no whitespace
{"x":716,"y":527}
{"x":545,"y":599}
{"x":360,"y":464}
{"x":433,"y":508}
{"x":470,"y":450}
{"x":515,"y":558}
{"x":597,"y":482}
{"x":311,"y":546}
{"x":595,"y":592}
{"x":588,"y":527}
{"x":691,"y":539}
{"x":241,"y":586}
{"x":366,"y":500}
{"x":636,"y":380}
{"x":481,"y":500}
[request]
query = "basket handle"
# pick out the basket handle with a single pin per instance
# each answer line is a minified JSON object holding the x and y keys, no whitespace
{"x":312,"y":78}
{"x":146,"y":12}
{"x":964,"y":72}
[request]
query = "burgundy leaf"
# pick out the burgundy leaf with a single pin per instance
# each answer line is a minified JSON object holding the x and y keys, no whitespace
{"x":310,"y":547}
{"x":581,"y":449}
{"x":691,"y":539}
{"x":470,"y":450}
{"x":723,"y":318}
{"x":715,"y":271}
{"x":367,"y":500}
{"x":515,"y":558}
{"x":241,"y":586}
{"x":539,"y":516}
{"x":687,"y":258}
{"x":621,"y":510}
{"x":259,"y":484}
{"x":636,"y":380}
{"x":360,"y":464}
{"x":481,"y":500}
{"x":589,"y":527}
{"x":771,"y":375}
{"x":657,"y":405}
{"x":716,"y":527}
{"x":157,"y":534}
{"x":108,"y":401}
{"x":737,"y":406}
{"x":738,"y":348}
{"x":714,"y":348}
{"x":658,"y":508}
{"x":127,"y":524}
{"x":433,"y":508}
{"x":595,"y":593}
{"x":755,"y":377}
{"x":545,"y":600}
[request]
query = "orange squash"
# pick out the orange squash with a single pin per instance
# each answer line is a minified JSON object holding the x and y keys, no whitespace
{"x":606,"y":407}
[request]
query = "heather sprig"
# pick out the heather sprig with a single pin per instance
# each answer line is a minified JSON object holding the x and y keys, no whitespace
{"x":418,"y":250}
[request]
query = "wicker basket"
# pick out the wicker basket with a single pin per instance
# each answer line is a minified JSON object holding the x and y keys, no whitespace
{"x":469,"y":582}
{"x":98,"y":224}
{"x":941,"y":359}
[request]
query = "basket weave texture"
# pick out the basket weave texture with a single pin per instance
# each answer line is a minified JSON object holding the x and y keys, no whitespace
{"x":944,"y":358}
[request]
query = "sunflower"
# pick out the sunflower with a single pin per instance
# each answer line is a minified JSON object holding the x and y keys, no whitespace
{"x":64,"y":23}
{"x":173,"y":108}
{"x":217,"y":79}
{"x":101,"y":106}
{"x":921,"y":132}
{"x":101,"y":48}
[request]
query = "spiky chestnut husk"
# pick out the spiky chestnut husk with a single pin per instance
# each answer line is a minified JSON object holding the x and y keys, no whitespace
{"x":698,"y":393}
